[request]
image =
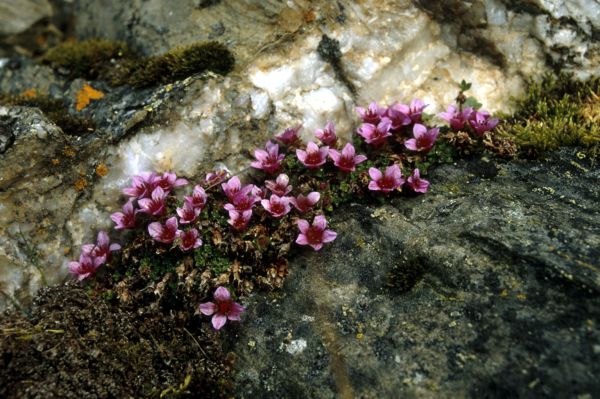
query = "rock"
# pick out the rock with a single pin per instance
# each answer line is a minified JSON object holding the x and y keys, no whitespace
{"x":18,"y":16}
{"x":7,"y":137}
{"x":384,"y":50}
{"x":487,"y":286}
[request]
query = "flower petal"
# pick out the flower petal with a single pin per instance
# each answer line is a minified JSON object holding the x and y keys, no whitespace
{"x":115,"y":247}
{"x":303,"y":225}
{"x":219,"y":321}
{"x":419,"y":130}
{"x":155,"y":229}
{"x":208,"y":308}
{"x":301,"y":240}
{"x":222,"y":294}
{"x":235,"y":311}
{"x":314,"y":197}
{"x":359,"y":158}
{"x":329,"y":235}
{"x":320,"y":222}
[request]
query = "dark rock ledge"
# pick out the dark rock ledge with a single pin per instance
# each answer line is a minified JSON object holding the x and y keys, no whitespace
{"x":485,"y":287}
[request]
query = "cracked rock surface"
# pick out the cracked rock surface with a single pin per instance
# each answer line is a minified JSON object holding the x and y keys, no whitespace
{"x":388,"y":51}
{"x":485,"y":287}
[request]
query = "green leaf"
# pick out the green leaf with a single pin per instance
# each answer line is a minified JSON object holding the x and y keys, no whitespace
{"x":464,"y":86}
{"x":472,"y":102}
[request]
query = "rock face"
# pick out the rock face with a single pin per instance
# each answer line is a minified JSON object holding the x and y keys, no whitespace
{"x":485,"y":287}
{"x":389,"y":51}
{"x":18,"y":16}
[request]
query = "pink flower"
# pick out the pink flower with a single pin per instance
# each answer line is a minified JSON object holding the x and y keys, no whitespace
{"x":414,"y":111}
{"x":313,"y":157}
{"x":239,"y":220}
{"x":214,"y":178}
{"x":222,"y":309}
{"x":188,"y":213}
{"x":270,"y":160}
{"x":141,"y":185}
{"x":166,"y":233}
{"x":455,"y":118}
{"x":371,"y":115}
{"x":155,"y":205}
{"x":481,"y":122}
{"x":125,"y":219}
{"x":243,"y":200}
{"x":424,"y":139}
{"x":327,"y":135}
{"x":391,"y":180}
{"x":417,"y":184}
{"x":315,"y":235}
{"x":197,"y":199}
{"x":376,"y":135}
{"x":260,"y":192}
{"x":188,"y":239}
{"x":289,"y":135}
{"x":168,"y":181}
{"x":86,"y":266}
{"x":102,"y":248}
{"x":232,"y":186}
{"x":397,"y":117}
{"x":280,"y":185}
{"x":346,"y":161}
{"x":305,"y":204}
{"x":277,"y":206}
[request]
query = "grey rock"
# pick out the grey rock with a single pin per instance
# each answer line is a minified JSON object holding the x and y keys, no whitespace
{"x":18,"y":16}
{"x":485,"y":287}
{"x":6,"y":135}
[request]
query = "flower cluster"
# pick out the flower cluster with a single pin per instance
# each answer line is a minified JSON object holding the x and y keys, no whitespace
{"x":479,"y":121}
{"x":397,"y":124}
{"x":93,"y":256}
{"x":394,"y":137}
{"x":151,"y":192}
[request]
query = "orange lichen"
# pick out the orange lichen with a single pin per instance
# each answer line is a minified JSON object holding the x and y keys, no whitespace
{"x":81,"y":184}
{"x":30,"y":93}
{"x":85,"y":95}
{"x":69,"y":152}
{"x":101,"y":170}
{"x":55,"y":161}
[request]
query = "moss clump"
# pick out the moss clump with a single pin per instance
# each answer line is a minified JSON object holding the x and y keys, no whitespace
{"x":116,"y":63}
{"x":208,"y":257}
{"x":558,"y":111}
{"x":176,"y":64}
{"x":56,"y":110}
{"x":88,"y":59}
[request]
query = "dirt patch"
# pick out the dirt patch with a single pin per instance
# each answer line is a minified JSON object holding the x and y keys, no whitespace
{"x":74,"y":345}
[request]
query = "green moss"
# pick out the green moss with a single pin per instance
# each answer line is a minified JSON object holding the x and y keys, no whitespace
{"x":88,"y":59}
{"x":209,"y":257}
{"x":558,"y":111}
{"x":116,"y":63}
{"x":56,"y":110}
{"x":176,"y":64}
{"x":158,"y":266}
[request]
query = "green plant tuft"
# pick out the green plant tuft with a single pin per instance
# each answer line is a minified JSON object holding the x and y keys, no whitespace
{"x":88,"y":59}
{"x":119,"y":65}
{"x":209,"y":257}
{"x":558,"y":111}
{"x":176,"y":64}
